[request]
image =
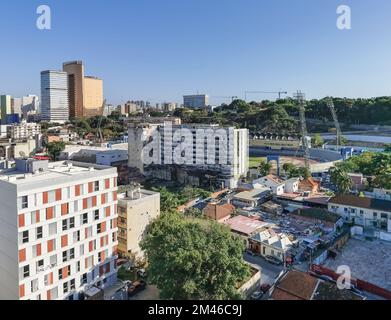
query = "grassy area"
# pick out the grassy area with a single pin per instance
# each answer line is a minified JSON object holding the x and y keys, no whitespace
{"x":254,"y":162}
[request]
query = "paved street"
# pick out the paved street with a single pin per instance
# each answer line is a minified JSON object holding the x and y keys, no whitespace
{"x":269,"y":271}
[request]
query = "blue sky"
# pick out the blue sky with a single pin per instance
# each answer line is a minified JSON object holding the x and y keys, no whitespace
{"x":162,"y":49}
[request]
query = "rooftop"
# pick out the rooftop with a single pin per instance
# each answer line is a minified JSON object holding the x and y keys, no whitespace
{"x":135,"y":195}
{"x":362,"y":202}
{"x":245,"y":225}
{"x":35,"y":171}
{"x":251,"y":195}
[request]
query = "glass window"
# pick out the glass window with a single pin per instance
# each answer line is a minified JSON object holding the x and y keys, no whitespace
{"x":25,"y":237}
{"x":26,"y":271}
{"x":96,"y":215}
{"x":85,"y":218}
{"x":96,"y":186}
{"x":53,"y":228}
{"x":39,"y":233}
{"x":53,"y":260}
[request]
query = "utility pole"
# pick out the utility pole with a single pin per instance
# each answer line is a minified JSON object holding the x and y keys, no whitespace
{"x":330,"y":104}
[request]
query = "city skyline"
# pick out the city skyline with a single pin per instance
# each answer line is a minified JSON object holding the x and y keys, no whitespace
{"x":165,"y":53}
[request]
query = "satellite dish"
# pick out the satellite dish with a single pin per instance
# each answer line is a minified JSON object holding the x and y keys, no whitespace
{"x":22,"y":154}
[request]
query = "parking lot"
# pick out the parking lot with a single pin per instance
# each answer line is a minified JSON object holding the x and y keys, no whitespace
{"x":269,"y":272}
{"x":368,"y":260}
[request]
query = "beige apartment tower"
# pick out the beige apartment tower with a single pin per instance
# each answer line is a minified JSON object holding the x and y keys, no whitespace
{"x":85,"y":93}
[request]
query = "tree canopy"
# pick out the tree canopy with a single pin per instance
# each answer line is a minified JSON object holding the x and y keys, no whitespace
{"x":191,"y":260}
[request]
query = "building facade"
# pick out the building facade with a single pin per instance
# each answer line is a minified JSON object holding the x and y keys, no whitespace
{"x":54,"y":96}
{"x":5,"y":107}
{"x":136,"y":210}
{"x":197,"y":101}
{"x":200,"y":150}
{"x":85,"y":93}
{"x":58,"y":229}
{"x":23,"y":131}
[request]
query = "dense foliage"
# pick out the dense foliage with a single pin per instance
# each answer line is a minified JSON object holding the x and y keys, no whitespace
{"x":193,"y":260}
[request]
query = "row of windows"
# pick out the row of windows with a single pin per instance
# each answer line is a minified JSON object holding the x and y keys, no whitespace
{"x":64,"y":193}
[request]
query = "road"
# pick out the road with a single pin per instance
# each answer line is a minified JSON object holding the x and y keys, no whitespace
{"x":269,"y":272}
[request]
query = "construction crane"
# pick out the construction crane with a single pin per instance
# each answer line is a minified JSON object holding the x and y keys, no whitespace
{"x":330,"y":104}
{"x":280,"y":93}
{"x":300,"y":97}
{"x":100,"y":134}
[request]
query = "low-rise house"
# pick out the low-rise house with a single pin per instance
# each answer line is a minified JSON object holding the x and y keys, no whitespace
{"x":310,"y":186}
{"x":269,"y":243}
{"x":363,"y":211}
{"x":277,"y":185}
{"x":297,"y":285}
{"x":251,"y":198}
{"x":359,"y":182}
{"x":272,"y":207}
{"x":329,"y":220}
{"x":245,"y":227}
{"x":219,"y":212}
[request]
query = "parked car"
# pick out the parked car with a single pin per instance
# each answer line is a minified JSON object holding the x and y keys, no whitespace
{"x":136,"y":287}
{"x":251,"y":253}
{"x":273,"y":260}
{"x":257,"y":295}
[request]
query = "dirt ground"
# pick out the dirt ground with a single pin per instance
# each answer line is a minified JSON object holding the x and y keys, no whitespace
{"x":368,"y":261}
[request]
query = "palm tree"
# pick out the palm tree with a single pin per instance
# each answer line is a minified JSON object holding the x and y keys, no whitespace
{"x":342,"y":180}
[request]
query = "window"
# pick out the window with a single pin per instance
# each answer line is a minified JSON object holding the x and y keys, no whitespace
{"x":65,"y":285}
{"x":25,"y":202}
{"x":52,"y":228}
{"x":76,"y":236}
{"x":73,"y":284}
{"x":53,"y":260}
{"x":99,"y":228}
{"x":34,"y":217}
{"x":60,"y":274}
{"x":71,"y":223}
{"x":39,"y":233}
{"x":85,"y":218}
{"x":384,"y":216}
{"x":96,"y":215}
{"x":40,"y":265}
{"x":51,"y":196}
{"x":96,"y":186}
{"x":25,"y":236}
{"x":83,"y":279}
{"x":34,"y":285}
{"x":64,"y":225}
{"x":78,"y":266}
{"x":65,"y":256}
{"x":26,"y":271}
{"x":375,"y":214}
{"x":81,"y":249}
{"x":71,"y":254}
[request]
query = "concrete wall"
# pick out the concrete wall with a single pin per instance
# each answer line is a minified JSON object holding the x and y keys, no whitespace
{"x":9,"y":273}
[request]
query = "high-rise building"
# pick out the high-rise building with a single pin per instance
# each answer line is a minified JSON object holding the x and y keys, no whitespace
{"x":54,"y":96}
{"x":23,"y":131}
{"x":207,"y":150}
{"x":5,"y":107}
{"x":58,"y":229}
{"x":85,"y":93}
{"x":197,"y":101}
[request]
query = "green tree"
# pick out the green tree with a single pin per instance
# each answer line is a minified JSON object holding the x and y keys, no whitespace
{"x":55,"y":148}
{"x":189,"y":260}
{"x":318,"y":141}
{"x":341,"y":180}
{"x":265,"y":168}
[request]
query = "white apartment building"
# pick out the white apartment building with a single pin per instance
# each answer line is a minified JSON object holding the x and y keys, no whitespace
{"x":211,"y":149}
{"x":23,"y":131}
{"x":136,"y":210}
{"x":54,"y":96}
{"x":58,"y":229}
{"x":362,"y":211}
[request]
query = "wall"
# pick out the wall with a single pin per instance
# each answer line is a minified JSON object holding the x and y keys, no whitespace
{"x":9,"y":276}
